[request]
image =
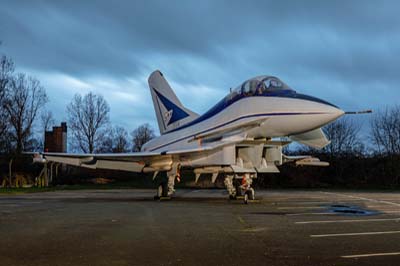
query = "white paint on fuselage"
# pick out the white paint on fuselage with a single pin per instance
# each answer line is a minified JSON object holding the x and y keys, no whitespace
{"x":284,"y":117}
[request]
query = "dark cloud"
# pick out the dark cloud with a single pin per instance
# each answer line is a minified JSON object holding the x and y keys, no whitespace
{"x":340,"y":50}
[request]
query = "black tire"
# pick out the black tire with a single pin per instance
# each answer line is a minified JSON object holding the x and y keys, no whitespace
{"x":238,"y":189}
{"x":162,"y":191}
{"x":164,"y":186}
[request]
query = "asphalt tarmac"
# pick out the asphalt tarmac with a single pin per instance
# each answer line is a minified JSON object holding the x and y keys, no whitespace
{"x":200,"y":227}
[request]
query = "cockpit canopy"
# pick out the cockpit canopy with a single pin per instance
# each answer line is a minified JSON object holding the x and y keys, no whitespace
{"x":261,"y":85}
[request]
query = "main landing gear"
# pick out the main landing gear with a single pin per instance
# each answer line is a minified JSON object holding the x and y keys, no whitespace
{"x":166,"y":189}
{"x":240,"y":188}
{"x":167,"y":186}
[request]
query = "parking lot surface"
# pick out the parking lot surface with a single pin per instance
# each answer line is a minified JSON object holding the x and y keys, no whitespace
{"x":200,"y":227}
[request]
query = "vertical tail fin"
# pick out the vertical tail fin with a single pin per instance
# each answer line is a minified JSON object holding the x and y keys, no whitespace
{"x":169,"y":110}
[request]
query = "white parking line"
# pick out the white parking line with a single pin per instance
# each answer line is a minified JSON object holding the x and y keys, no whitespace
{"x":383,"y":207}
{"x":358,"y":234}
{"x":302,"y":202}
{"x":288,"y":208}
{"x":311,"y":213}
{"x":371,"y":255}
{"x":348,"y":221}
{"x":362,"y":198}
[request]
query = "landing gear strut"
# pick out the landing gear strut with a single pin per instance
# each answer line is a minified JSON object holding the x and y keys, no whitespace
{"x":247,"y":189}
{"x":230,"y":187}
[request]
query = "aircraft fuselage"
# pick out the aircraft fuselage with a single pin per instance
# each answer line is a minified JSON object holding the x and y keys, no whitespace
{"x":286,"y":113}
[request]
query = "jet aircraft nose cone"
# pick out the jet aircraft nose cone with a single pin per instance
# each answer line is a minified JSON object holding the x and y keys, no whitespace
{"x":339,"y":112}
{"x":331,"y":113}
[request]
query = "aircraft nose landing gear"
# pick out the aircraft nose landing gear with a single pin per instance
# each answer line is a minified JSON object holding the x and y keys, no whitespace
{"x":243,"y":188}
{"x":247,"y":189}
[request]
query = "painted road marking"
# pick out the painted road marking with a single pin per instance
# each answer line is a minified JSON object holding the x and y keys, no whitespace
{"x":371,"y":255}
{"x":362,"y":198}
{"x":311,"y":213}
{"x":241,"y":220}
{"x":288,"y":208}
{"x":348,"y":221}
{"x":358,"y":234}
{"x":254,"y":230}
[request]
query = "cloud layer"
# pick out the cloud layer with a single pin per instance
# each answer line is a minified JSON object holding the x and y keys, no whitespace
{"x":343,"y":51}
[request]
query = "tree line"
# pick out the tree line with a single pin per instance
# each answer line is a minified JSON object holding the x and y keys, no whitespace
{"x":24,"y":118}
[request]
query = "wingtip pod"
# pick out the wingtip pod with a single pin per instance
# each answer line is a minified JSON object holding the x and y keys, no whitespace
{"x":38,"y":158}
{"x":312,"y":161}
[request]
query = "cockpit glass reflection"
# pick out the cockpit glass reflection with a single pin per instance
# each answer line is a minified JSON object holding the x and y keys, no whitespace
{"x":259,"y":86}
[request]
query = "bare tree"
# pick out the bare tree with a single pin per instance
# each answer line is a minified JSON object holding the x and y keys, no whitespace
{"x":114,"y":140}
{"x":47,"y":120}
{"x":385,"y":131}
{"x":88,"y":118}
{"x":344,"y":137}
{"x":141,"y":135}
{"x":106,"y":144}
{"x":6,"y":72}
{"x":121,"y":143}
{"x":24,"y":100}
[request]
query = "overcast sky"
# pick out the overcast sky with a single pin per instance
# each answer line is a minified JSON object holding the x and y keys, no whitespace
{"x":346,"y":52}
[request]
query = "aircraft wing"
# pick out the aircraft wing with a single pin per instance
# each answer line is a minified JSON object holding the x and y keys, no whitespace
{"x":133,"y":162}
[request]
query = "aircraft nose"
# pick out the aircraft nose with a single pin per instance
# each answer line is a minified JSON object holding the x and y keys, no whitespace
{"x":332,"y":113}
{"x":328,"y":111}
{"x":337,"y":112}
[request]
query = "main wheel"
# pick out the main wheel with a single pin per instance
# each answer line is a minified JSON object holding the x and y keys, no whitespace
{"x":232,"y":197}
{"x":162,"y":191}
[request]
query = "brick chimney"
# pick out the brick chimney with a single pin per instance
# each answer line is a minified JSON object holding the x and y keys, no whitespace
{"x":56,"y":140}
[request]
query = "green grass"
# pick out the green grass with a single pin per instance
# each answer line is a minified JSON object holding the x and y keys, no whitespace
{"x":25,"y":190}
{"x":58,"y":188}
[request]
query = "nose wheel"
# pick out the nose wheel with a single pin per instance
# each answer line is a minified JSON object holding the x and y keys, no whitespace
{"x":240,"y":189}
{"x":162,"y":191}
{"x":248,"y":195}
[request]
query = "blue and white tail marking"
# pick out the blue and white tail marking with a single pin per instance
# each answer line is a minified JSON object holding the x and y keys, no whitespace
{"x":169,"y":110}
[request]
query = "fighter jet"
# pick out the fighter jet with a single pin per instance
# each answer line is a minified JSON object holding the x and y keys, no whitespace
{"x":238,"y":138}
